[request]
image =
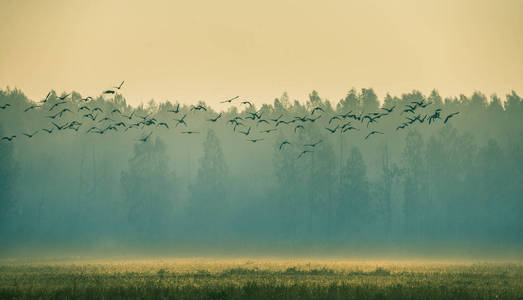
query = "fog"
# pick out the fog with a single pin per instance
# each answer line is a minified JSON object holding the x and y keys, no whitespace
{"x":451,"y":189}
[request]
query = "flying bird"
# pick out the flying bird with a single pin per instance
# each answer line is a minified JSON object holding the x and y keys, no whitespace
{"x":332,"y":130}
{"x":216,"y":118}
{"x":8,"y":138}
{"x":119,"y":86}
{"x":146,"y":138}
{"x":29,"y":135}
{"x":176,"y":110}
{"x":317,"y":109}
{"x":247,"y":102}
{"x":31,"y":107}
{"x":450,"y":116}
{"x":389,"y":110}
{"x":304,"y":152}
{"x":190,"y":132}
{"x":297,"y":127}
{"x":163,"y":124}
{"x":255,"y":140}
{"x":373,"y":132}
{"x":230,"y":100}
{"x":108,"y":92}
{"x":64,"y":97}
{"x":313,"y":144}
{"x":283,"y":144}
{"x":5,"y":106}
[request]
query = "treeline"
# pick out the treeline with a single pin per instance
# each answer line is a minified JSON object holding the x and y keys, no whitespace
{"x":458,"y":181}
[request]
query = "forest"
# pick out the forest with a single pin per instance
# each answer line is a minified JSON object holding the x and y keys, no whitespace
{"x":204,"y":182}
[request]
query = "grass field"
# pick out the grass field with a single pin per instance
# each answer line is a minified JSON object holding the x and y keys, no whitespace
{"x":258,"y":279}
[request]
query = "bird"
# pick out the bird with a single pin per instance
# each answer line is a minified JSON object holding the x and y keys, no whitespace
{"x":216,"y":118}
{"x":334,"y":118}
{"x":49,"y":131}
{"x":255,"y":140}
{"x":46,"y":98}
{"x":145,"y":138}
{"x":163,"y":124}
{"x":246,"y":132}
{"x":105,"y":119}
{"x":129,"y":116}
{"x":373,"y":132}
{"x":304,"y":152}
{"x":83,"y":108}
{"x":58,"y":126}
{"x":389,"y":110}
{"x":116,"y":110}
{"x":176,"y":110}
{"x":31,"y":107}
{"x":190,"y":132}
{"x":402,"y":126}
{"x":97,"y":109}
{"x":450,"y":116}
{"x":313,"y":144}
{"x":29,"y":135}
{"x":247,"y":102}
{"x":56,"y":105}
{"x":199,"y":107}
{"x":86,"y":98}
{"x":297,"y":127}
{"x":230,"y":100}
{"x":284,"y":143}
{"x":119,"y":86}
{"x":317,"y":109}
{"x":64,"y":111}
{"x":277,"y":119}
{"x":8,"y":138}
{"x":64,"y":97}
{"x":263,"y":121}
{"x":332,"y":130}
{"x":181,"y":121}
{"x":5,"y":106}
{"x":268,"y":130}
{"x":108,"y":92}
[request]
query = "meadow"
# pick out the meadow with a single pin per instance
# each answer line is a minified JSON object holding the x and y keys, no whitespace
{"x":258,"y":279}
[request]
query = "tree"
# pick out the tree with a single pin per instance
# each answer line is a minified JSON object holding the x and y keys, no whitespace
{"x":354,"y":193}
{"x":7,"y":177}
{"x":149,"y":188}
{"x":208,"y":193}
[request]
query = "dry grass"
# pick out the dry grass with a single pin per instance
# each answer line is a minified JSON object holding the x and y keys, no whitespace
{"x":258,"y":279}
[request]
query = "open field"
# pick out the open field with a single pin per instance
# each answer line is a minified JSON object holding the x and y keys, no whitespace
{"x":258,"y":279}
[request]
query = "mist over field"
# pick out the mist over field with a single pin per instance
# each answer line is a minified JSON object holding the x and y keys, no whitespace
{"x":442,"y":190}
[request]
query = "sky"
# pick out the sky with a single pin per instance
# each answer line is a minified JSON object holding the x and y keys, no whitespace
{"x":212,"y":50}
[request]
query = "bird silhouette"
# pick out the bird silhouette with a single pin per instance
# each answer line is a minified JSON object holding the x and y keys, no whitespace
{"x":88,"y":98}
{"x":313,"y":144}
{"x":284,"y":143}
{"x":373,"y":132}
{"x":189,"y":132}
{"x":163,"y":124}
{"x":64,"y":97}
{"x":83,"y":108}
{"x":98,"y":109}
{"x":8,"y":138}
{"x":298,"y":127}
{"x":450,"y":116}
{"x":216,"y":118}
{"x":46,"y":98}
{"x":116,"y":110}
{"x":304,"y":152}
{"x":247,"y":102}
{"x":317,"y":109}
{"x":30,"y":135}
{"x":255,"y":140}
{"x":31,"y":107}
{"x":332,"y":130}
{"x":230,"y":100}
{"x":108,"y":92}
{"x":176,"y":110}
{"x":49,"y":131}
{"x":198,"y":107}
{"x":129,"y":117}
{"x":246,"y":132}
{"x":389,"y":110}
{"x":5,"y":106}
{"x":277,"y":119}
{"x":119,"y":86}
{"x":146,"y":138}
{"x":181,"y":121}
{"x":268,"y":130}
{"x":56,"y":105}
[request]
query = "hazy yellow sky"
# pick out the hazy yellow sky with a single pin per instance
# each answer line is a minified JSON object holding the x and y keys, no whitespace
{"x":212,"y":50}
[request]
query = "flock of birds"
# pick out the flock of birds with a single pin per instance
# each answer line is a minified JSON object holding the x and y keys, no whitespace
{"x":114,"y":120}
